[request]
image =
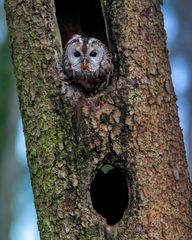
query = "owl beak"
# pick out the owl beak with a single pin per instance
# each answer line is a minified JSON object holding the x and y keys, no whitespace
{"x":84,"y":65}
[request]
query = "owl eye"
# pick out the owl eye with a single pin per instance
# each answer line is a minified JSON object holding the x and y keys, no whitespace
{"x":93,"y":54}
{"x":77,"y":54}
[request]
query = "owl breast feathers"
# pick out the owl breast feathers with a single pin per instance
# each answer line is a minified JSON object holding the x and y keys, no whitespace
{"x":87,"y":63}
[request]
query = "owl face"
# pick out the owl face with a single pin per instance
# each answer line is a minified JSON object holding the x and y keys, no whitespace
{"x":87,"y":63}
{"x":84,"y":54}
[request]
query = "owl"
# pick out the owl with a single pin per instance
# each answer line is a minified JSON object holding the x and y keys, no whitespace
{"x":87,"y":63}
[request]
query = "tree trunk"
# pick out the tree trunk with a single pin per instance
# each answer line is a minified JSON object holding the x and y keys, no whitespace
{"x":122,"y":145}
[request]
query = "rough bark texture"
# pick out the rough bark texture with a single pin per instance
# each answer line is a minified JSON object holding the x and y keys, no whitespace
{"x":132,"y":124}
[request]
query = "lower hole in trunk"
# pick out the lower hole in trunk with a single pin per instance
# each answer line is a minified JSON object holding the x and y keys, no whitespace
{"x":109,"y":193}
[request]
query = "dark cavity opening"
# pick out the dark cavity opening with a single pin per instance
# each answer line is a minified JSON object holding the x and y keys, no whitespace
{"x":80,"y":17}
{"x":109,"y":193}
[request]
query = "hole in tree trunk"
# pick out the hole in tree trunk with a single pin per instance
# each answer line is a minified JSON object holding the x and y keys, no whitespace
{"x":109,"y":193}
{"x":80,"y":17}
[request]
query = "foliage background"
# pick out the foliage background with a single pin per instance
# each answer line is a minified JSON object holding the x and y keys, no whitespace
{"x":17,"y":213}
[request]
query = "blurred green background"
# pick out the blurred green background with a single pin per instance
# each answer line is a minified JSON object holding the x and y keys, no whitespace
{"x":17,"y":213}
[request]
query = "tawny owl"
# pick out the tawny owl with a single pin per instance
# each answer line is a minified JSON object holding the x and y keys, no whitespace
{"x":88,"y":63}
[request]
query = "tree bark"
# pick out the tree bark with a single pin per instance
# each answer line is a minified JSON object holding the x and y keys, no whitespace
{"x":132,"y":126}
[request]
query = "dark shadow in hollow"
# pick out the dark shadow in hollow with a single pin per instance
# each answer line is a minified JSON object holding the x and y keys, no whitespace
{"x":80,"y":17}
{"x":109,"y":193}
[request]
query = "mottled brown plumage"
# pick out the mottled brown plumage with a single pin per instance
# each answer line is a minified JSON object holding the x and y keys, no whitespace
{"x":87,"y":63}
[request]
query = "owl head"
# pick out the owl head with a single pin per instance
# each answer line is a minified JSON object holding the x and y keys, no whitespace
{"x":87,"y":63}
{"x":84,"y":53}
